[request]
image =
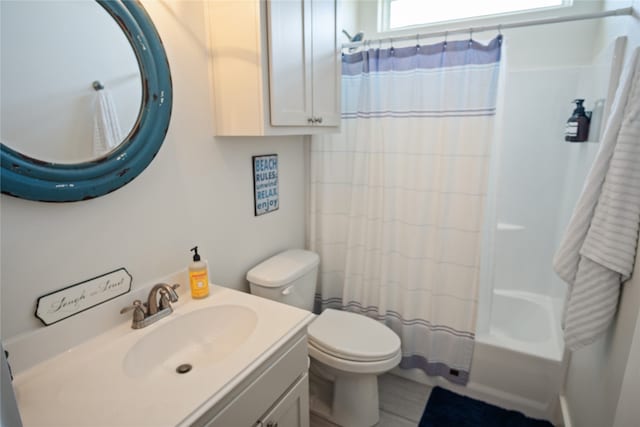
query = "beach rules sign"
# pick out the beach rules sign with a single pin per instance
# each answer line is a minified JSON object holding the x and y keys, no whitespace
{"x":265,"y":183}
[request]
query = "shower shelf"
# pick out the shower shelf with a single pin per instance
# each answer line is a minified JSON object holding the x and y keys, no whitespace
{"x":505,"y":226}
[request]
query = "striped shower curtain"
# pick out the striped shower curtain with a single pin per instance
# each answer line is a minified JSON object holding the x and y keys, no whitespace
{"x":396,"y":199}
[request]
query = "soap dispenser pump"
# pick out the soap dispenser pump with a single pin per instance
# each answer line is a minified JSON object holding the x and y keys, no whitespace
{"x":198,"y":276}
{"x":577,"y":129}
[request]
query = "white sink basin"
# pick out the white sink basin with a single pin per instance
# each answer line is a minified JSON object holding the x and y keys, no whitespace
{"x":196,"y":339}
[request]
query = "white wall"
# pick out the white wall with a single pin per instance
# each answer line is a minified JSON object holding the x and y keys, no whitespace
{"x":594,"y":384}
{"x":596,"y":372}
{"x":627,"y":411}
{"x":349,"y":18}
{"x":197,"y":191}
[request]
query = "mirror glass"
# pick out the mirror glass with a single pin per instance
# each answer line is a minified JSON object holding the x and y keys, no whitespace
{"x":52,"y":52}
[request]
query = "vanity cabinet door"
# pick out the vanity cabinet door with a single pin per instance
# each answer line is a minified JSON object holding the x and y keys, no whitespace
{"x":292,"y":410}
{"x":264,"y":390}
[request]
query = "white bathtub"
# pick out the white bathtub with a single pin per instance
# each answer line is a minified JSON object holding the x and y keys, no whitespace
{"x":525,"y":322}
{"x":518,"y":360}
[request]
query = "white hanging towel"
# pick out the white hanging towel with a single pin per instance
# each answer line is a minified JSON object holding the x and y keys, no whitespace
{"x":598,"y":249}
{"x":106,"y":127}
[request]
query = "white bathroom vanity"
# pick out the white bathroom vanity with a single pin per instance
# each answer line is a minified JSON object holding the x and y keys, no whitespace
{"x":245,"y":359}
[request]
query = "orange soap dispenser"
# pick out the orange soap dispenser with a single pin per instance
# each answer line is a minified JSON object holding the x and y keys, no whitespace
{"x":198,"y":276}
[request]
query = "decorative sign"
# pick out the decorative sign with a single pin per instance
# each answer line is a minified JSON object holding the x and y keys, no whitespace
{"x":265,"y":183}
{"x":58,"y":305}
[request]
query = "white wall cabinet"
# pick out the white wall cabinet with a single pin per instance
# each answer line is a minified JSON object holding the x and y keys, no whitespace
{"x":276,"y":394}
{"x":275,"y":66}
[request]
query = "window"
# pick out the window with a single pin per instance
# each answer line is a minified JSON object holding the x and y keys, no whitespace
{"x":404,"y":13}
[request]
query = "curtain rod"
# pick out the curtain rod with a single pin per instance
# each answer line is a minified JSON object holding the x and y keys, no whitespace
{"x":615,"y":12}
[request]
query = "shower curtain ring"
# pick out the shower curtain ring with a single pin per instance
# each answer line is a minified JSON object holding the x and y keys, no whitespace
{"x":444,"y":45}
{"x":391,"y":49}
{"x":470,"y":36}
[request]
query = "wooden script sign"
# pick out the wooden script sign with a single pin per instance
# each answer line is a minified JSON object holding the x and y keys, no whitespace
{"x":58,"y":305}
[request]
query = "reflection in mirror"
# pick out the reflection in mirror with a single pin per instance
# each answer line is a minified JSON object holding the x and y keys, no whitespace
{"x":49,"y":109}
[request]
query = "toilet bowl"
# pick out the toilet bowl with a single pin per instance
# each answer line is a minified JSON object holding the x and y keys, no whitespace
{"x":348,"y":349}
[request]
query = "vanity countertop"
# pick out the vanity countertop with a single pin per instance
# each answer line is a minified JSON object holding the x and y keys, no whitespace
{"x":93,"y":384}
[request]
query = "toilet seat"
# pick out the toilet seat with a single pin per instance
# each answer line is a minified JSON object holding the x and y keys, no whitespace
{"x":353,"y":367}
{"x":349,"y":341}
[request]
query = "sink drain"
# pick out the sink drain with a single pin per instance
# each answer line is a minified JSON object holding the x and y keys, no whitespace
{"x":184,"y":368}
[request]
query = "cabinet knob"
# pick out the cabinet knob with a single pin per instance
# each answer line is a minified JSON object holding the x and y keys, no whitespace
{"x":319,"y":120}
{"x":310,"y":120}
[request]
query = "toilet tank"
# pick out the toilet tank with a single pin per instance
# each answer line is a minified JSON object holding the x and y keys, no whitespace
{"x":288,"y":277}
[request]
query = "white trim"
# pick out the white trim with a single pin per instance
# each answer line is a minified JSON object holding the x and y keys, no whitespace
{"x":384,"y":13}
{"x":564,"y":411}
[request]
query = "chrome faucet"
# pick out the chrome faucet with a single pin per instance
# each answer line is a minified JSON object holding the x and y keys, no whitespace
{"x":155,"y":310}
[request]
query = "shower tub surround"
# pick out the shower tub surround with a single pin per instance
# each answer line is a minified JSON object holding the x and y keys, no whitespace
{"x":536,"y":178}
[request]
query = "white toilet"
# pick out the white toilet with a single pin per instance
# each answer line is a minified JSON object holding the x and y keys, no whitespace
{"x":348,"y":349}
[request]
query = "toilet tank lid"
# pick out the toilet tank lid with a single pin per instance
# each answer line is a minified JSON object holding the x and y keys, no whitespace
{"x":283,"y":268}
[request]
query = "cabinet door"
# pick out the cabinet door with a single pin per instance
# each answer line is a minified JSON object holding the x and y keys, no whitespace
{"x":289,"y":36}
{"x":326,"y":63}
{"x":292,"y":410}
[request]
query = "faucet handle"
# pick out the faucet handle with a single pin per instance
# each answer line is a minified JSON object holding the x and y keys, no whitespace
{"x":165,"y":302}
{"x":138,"y":310}
{"x":171,"y":292}
{"x":167,"y":296}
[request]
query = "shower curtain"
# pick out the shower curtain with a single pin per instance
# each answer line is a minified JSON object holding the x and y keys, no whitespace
{"x":396,"y":199}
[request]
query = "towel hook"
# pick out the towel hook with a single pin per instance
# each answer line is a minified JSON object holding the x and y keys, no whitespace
{"x":97,"y":85}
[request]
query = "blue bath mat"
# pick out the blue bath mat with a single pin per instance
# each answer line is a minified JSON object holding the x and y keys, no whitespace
{"x":447,"y":409}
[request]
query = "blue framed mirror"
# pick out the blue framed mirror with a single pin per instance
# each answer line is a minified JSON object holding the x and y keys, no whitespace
{"x":46,"y":176}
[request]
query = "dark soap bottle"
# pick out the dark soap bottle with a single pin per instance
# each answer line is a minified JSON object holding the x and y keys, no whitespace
{"x":577,"y":129}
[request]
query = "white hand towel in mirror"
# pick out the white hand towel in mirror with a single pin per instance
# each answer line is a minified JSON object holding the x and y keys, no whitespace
{"x":106,"y":127}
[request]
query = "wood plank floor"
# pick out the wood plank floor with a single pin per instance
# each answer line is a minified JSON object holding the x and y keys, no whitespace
{"x":401,"y":403}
